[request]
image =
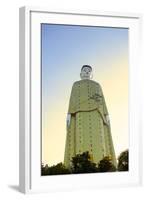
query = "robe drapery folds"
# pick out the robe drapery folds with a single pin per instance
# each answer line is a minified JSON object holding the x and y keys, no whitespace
{"x":89,"y":129}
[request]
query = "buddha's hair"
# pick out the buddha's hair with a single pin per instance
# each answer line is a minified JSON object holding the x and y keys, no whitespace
{"x":86,"y":66}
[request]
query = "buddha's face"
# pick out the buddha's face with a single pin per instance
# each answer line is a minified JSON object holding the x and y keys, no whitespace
{"x":86,"y":73}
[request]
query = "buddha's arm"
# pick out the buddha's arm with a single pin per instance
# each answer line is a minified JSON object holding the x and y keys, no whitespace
{"x":68,"y":118}
{"x":71,"y":105}
{"x":106,"y":113}
{"x":105,"y":109}
{"x":107,"y":119}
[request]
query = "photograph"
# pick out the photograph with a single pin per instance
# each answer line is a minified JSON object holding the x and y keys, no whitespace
{"x":84,"y":99}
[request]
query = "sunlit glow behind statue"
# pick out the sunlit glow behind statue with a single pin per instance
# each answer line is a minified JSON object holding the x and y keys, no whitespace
{"x":88,"y":124}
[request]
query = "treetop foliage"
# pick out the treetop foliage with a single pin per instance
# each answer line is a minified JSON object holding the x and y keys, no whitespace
{"x":82,"y":163}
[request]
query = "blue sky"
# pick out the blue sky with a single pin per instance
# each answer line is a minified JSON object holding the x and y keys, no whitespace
{"x":66,"y":48}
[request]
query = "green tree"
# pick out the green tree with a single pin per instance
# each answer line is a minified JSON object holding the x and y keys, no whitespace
{"x":106,"y":165}
{"x":54,"y":170}
{"x":123,"y":161}
{"x":44,"y":170}
{"x":58,"y":169}
{"x":81,"y":163}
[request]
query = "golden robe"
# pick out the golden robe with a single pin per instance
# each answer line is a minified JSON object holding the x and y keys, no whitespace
{"x":89,"y":129}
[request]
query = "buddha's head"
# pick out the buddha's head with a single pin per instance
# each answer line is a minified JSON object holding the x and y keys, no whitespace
{"x":86,"y":72}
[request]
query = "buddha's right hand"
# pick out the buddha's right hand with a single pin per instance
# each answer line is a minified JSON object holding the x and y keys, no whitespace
{"x":68,"y":118}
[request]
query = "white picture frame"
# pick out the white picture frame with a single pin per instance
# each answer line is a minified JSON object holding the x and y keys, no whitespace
{"x":29,"y":160}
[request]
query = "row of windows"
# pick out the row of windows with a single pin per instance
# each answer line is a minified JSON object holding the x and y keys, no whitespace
{"x":109,"y":145}
{"x":91,"y":149}
{"x":90,"y":130}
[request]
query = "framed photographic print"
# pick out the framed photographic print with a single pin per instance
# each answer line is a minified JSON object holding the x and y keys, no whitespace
{"x":79,"y":100}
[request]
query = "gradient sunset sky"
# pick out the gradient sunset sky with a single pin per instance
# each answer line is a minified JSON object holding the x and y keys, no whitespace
{"x":65,"y":49}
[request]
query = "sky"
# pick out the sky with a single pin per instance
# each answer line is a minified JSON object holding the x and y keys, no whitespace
{"x":64,"y":50}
